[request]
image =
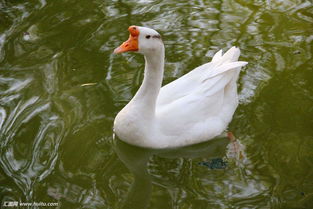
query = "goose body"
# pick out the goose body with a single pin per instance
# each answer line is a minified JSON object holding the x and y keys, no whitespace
{"x":192,"y":109}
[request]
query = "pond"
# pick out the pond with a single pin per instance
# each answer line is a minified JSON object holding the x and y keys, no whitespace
{"x":61,"y":88}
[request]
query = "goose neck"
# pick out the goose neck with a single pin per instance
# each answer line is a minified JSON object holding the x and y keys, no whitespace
{"x":147,"y":94}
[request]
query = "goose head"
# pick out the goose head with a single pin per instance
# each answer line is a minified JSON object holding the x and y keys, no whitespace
{"x":143,"y":40}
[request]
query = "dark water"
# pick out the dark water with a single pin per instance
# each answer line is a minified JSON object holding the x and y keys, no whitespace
{"x":61,"y":87}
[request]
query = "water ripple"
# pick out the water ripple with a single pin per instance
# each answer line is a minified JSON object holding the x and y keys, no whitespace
{"x":55,"y":132}
{"x":28,"y":162}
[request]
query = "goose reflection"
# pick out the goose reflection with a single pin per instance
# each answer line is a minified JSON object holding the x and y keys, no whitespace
{"x":136,"y":159}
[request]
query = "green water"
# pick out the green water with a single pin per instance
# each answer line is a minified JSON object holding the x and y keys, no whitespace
{"x":61,"y":87}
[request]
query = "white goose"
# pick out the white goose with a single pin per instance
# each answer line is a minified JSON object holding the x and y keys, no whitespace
{"x":192,"y":109}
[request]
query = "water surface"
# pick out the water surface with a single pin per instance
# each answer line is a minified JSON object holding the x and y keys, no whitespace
{"x":61,"y":87}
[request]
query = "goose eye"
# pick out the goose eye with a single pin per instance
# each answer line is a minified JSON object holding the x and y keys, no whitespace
{"x":148,"y":36}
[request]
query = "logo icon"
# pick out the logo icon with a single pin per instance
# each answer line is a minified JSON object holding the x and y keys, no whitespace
{"x":10,"y":204}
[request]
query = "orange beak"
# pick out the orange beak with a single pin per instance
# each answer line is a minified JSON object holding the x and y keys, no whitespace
{"x":132,"y":43}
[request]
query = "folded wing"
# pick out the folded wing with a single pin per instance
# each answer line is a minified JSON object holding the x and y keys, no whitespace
{"x":208,"y":94}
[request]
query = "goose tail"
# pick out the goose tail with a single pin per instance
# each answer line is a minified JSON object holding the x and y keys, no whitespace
{"x":226,"y":62}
